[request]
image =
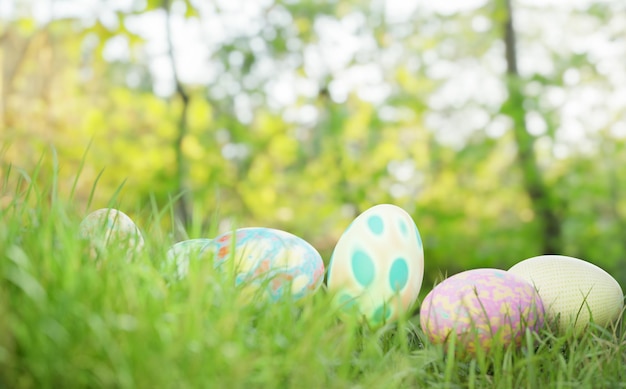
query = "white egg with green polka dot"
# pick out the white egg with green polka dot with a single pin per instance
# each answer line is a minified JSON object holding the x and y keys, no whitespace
{"x":378,"y":265}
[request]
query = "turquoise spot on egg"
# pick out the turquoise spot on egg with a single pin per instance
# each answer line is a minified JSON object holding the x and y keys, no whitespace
{"x":398,"y":274}
{"x":346,"y":301}
{"x":375,"y":223}
{"x":381,"y":314}
{"x":419,"y":238}
{"x":499,"y":274}
{"x":403,"y":228}
{"x":363,"y":267}
{"x":442,"y":313}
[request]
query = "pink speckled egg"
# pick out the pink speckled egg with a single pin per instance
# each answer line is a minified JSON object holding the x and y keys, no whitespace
{"x":483,"y":307}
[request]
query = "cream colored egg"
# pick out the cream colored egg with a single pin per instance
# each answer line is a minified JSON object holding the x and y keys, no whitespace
{"x":574,"y":292}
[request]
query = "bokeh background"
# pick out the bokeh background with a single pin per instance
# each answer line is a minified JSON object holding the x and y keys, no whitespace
{"x":500,"y":126}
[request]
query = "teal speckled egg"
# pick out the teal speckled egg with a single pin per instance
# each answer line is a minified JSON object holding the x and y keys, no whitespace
{"x":378,"y":264}
{"x":273,"y":261}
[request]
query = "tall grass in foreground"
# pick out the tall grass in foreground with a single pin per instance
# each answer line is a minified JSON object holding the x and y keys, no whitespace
{"x":66,"y":323}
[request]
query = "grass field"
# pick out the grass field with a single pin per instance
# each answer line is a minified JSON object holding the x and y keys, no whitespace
{"x":66,"y":322}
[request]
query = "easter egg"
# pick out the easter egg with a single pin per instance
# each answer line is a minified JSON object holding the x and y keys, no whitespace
{"x":276,"y":261}
{"x":377,"y":265}
{"x":481,"y":307}
{"x":574,"y":292}
{"x":179,"y":255}
{"x":106,"y":228}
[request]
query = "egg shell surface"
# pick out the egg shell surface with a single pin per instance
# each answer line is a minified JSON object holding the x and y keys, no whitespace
{"x":573,"y":291}
{"x":106,"y":227}
{"x":377,"y":265}
{"x":179,"y":255}
{"x":481,"y":306}
{"x":280,"y":261}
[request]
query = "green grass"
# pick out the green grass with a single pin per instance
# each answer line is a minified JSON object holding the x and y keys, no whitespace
{"x":67,"y":323}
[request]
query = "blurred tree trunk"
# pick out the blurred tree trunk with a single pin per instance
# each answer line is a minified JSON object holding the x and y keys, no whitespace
{"x":182,"y":205}
{"x":540,"y":196}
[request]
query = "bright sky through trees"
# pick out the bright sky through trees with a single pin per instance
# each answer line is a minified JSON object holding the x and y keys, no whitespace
{"x":343,"y":50}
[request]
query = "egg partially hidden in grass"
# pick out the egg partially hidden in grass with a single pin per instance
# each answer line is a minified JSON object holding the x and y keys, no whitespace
{"x":109,"y":228}
{"x":481,"y":308}
{"x":574,"y":292}
{"x":180,"y":254}
{"x":377,"y":265}
{"x":271,"y":261}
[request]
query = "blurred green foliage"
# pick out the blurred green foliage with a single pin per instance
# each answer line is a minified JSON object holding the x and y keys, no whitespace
{"x":311,"y":165}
